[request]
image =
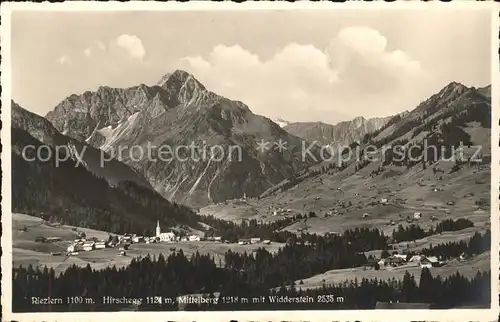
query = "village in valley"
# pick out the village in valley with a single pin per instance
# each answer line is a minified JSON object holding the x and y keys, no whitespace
{"x":68,"y":245}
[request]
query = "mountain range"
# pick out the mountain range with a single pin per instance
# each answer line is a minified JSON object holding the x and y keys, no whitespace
{"x":180,"y":112}
{"x":177,"y":112}
{"x":340,"y":134}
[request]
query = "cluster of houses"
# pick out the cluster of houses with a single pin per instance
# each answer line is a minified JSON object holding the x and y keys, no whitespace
{"x":280,"y":211}
{"x":397,"y":260}
{"x":255,"y":240}
{"x":83,"y":244}
{"x":123,"y":242}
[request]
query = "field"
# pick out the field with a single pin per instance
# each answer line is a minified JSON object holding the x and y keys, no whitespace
{"x":26,"y":251}
{"x":467,"y":268}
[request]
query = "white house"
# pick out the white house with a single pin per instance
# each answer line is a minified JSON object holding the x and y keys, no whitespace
{"x":383,"y":200}
{"x":243,"y":241}
{"x":381,"y":263}
{"x":100,"y":245}
{"x":218,"y":238}
{"x":402,"y":256}
{"x":137,"y":239}
{"x":254,"y":240}
{"x":429,"y":262}
{"x":416,"y":258}
{"x":266,"y":241}
{"x":194,"y":238}
{"x":167,"y":237}
{"x":71,"y":248}
{"x":88,"y":248}
{"x":417,"y":215}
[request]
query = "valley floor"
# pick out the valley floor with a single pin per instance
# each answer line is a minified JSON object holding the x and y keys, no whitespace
{"x":26,"y":251}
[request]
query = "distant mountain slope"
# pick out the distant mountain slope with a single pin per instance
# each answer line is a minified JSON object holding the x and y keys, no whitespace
{"x":341,"y":194}
{"x":454,"y":102}
{"x":340,"y":134}
{"x":176,"y":113}
{"x":41,"y":129}
{"x":75,"y":196}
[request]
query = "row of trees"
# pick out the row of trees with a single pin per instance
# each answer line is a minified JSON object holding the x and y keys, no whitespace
{"x":477,"y":244}
{"x":176,"y":275}
{"x":414,"y":232}
{"x":441,"y":293}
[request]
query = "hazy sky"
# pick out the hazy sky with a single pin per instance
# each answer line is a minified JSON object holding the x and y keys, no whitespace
{"x":299,"y":65}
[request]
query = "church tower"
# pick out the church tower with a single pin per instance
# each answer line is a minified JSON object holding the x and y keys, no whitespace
{"x":158,"y":230}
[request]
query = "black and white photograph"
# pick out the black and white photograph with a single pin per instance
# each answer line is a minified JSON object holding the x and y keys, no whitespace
{"x":280,"y":160}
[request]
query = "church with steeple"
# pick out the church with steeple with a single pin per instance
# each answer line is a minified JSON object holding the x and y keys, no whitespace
{"x":158,"y":229}
{"x":163,"y":236}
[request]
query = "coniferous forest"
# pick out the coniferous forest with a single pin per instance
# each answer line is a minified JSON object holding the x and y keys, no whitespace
{"x":260,"y":274}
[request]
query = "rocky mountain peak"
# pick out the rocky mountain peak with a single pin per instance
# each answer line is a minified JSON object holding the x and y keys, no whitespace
{"x":182,"y":87}
{"x":358,"y":121}
{"x":178,"y":78}
{"x":452,"y":91}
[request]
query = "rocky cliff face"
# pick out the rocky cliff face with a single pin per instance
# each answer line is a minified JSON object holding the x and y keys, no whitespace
{"x":340,"y":134}
{"x":192,"y":145}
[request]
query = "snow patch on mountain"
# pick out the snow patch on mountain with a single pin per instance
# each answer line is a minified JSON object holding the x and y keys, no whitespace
{"x":113,"y":135}
{"x":281,"y":122}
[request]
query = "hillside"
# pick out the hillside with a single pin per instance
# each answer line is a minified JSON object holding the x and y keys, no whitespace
{"x":340,"y":194}
{"x":341,"y":134}
{"x":70,"y":194}
{"x":176,"y":113}
{"x":42,"y":130}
